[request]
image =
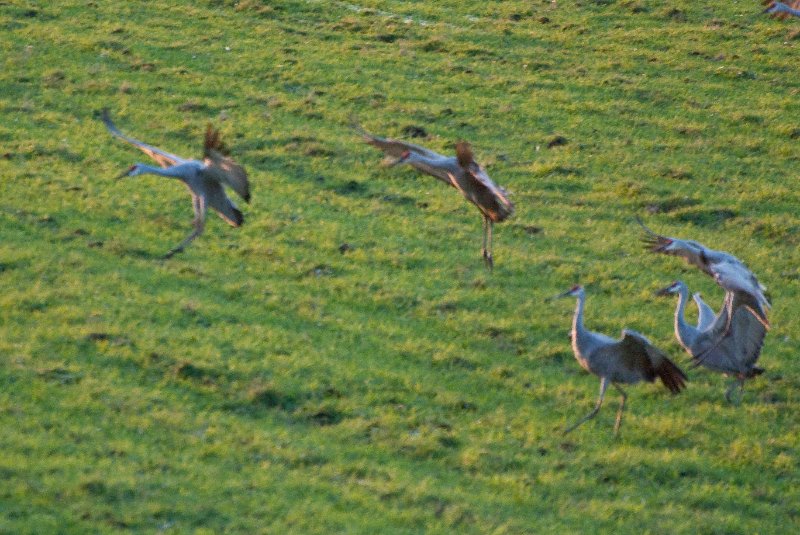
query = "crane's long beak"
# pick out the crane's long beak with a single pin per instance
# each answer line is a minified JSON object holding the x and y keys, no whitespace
{"x":667,"y":290}
{"x":559,"y":296}
{"x":122,"y":175}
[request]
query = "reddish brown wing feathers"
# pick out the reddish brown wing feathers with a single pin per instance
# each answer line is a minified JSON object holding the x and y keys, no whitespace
{"x":163,"y":158}
{"x":490,"y":199}
{"x":221,"y":167}
{"x":213,"y":141}
{"x":393,"y":147}
{"x":464,"y":154}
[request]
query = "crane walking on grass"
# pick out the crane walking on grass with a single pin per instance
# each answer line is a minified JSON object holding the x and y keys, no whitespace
{"x":460,"y":171}
{"x":780,"y":10}
{"x":737,"y":352}
{"x":729,"y":272}
{"x":628,"y":360}
{"x":204,"y":178}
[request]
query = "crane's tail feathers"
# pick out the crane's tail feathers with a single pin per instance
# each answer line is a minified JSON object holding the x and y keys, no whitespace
{"x":672,"y":376}
{"x":755,"y":370}
{"x":238,"y":217}
{"x":504,"y":211}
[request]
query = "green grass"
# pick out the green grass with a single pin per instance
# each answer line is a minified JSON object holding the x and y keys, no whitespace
{"x":264,"y":381}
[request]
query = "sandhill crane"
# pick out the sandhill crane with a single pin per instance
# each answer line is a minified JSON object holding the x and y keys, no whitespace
{"x":628,"y":360}
{"x":728,"y":271}
{"x":737,"y":352}
{"x":203,"y":178}
{"x":780,"y":10}
{"x":461,"y":172}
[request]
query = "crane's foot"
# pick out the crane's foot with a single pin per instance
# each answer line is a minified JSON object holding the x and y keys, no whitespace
{"x":487,"y":260}
{"x":172,"y":253}
{"x":730,"y":398}
{"x":574,"y":426}
{"x":617,"y":425}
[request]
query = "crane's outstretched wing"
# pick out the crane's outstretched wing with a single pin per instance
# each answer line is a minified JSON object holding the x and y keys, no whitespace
{"x":728,"y":271}
{"x":164,"y":159}
{"x":221,"y":167}
{"x":393,"y":147}
{"x":733,"y":345}
{"x":216,"y":199}
{"x":637,"y":354}
{"x":691,"y":251}
{"x":490,"y":198}
{"x":633,"y":353}
{"x":744,"y":340}
{"x":733,"y":276}
{"x":737,"y":333}
{"x":705,"y":314}
{"x":782,"y":10}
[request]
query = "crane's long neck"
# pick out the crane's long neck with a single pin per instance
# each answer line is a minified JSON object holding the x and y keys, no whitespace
{"x":582,"y":340}
{"x":578,"y":330}
{"x":685,"y":333}
{"x":174,"y":171}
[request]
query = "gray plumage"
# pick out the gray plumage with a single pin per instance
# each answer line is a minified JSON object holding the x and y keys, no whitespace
{"x":461,"y":172}
{"x":204,"y":178}
{"x":728,"y":272}
{"x":733,"y":353}
{"x":629,"y":360}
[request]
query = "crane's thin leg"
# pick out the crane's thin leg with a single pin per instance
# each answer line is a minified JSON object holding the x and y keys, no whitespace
{"x":485,"y":235}
{"x":740,"y":383}
{"x":603,"y":386}
{"x":487,"y":243}
{"x":618,"y":423}
{"x":199,"y":205}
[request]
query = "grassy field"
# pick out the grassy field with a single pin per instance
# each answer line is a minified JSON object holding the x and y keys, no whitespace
{"x":273,"y":380}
